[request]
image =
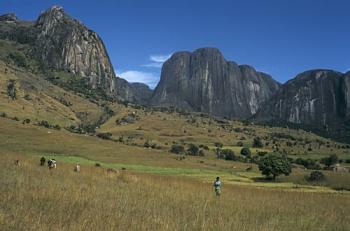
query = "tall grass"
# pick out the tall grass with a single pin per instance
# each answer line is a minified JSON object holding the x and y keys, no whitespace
{"x":35,"y":198}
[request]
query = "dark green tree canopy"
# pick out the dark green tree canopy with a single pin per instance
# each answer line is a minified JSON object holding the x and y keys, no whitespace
{"x":275,"y":165}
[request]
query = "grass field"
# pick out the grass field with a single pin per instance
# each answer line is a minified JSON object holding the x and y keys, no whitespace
{"x":35,"y":198}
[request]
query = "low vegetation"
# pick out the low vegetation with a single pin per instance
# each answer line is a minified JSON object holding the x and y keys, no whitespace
{"x":36,"y":198}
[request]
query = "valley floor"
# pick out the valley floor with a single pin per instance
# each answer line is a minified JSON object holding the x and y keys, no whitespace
{"x":35,"y":198}
{"x":161,"y":194}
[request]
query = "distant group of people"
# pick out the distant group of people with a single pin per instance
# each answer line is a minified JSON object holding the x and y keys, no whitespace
{"x":52,"y":164}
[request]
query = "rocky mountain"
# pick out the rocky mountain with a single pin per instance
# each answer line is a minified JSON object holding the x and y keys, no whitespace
{"x":204,"y":81}
{"x":62,"y":43}
{"x":318,"y":98}
{"x":133,"y":92}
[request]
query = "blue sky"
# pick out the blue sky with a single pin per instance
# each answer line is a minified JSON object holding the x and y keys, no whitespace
{"x":280,"y":37}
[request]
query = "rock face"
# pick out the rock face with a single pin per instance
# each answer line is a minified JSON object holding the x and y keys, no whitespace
{"x":313,"y":97}
{"x":204,"y":81}
{"x":346,"y":94}
{"x":65,"y":43}
{"x":133,"y":92}
{"x":319,"y":99}
{"x":61,"y":42}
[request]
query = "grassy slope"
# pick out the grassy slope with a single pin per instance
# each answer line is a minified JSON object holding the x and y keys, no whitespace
{"x":165,"y":129}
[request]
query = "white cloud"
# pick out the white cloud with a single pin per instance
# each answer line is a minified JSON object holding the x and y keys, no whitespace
{"x":157,"y":60}
{"x":133,"y":76}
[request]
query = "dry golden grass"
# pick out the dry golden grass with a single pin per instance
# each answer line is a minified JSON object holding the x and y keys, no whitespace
{"x":43,"y":102}
{"x":35,"y":198}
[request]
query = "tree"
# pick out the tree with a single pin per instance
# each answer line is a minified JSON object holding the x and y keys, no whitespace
{"x":330,"y":160}
{"x":257,"y":143}
{"x":228,"y":154}
{"x":246,"y":152}
{"x":193,"y":150}
{"x":218,"y":145}
{"x":11,"y":89}
{"x":316,"y":176}
{"x":275,"y":165}
{"x":177,"y":149}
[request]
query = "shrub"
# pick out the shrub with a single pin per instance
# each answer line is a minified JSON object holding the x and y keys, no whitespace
{"x":246,"y":152}
{"x":11,"y":90}
{"x":308,"y":163}
{"x":316,"y":176}
{"x":205,"y":147}
{"x":26,"y":121}
{"x":105,"y":136}
{"x":330,"y":160}
{"x":227,"y":154}
{"x":257,"y":143}
{"x":147,"y":144}
{"x":18,"y":59}
{"x":177,"y":149}
{"x":193,"y":150}
{"x":275,"y":165}
{"x":218,"y":144}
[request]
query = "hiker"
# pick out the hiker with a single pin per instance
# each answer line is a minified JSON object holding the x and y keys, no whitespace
{"x":217,"y":186}
{"x":17,"y":163}
{"x":51,"y":163}
{"x":77,"y":168}
{"x":42,"y":161}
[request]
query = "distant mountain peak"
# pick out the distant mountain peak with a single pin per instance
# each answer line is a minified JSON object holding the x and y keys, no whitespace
{"x":9,"y":17}
{"x":203,"y":80}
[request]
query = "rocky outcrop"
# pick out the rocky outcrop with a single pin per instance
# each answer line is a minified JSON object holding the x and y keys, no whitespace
{"x":10,"y":17}
{"x":346,"y":94}
{"x":60,"y":42}
{"x":318,"y":100}
{"x":313,"y":97}
{"x":65,"y":43}
{"x":133,"y":92}
{"x":204,"y":81}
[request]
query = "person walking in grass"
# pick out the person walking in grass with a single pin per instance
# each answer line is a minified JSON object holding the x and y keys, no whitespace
{"x":217,"y":186}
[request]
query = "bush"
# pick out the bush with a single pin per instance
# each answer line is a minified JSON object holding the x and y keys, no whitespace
{"x":105,"y":136}
{"x":193,"y":150}
{"x":177,"y":149}
{"x":205,"y":147}
{"x":275,"y":165}
{"x":257,"y":143}
{"x":26,"y":121}
{"x":227,"y":154}
{"x":11,"y":90}
{"x":18,"y":59}
{"x":246,"y":152}
{"x":316,"y":176}
{"x":308,"y":163}
{"x":330,"y":160}
{"x":218,"y":144}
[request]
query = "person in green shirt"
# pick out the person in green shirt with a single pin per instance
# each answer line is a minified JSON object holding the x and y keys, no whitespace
{"x":217,"y":186}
